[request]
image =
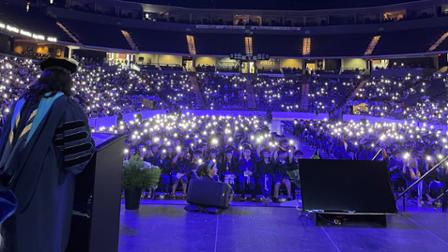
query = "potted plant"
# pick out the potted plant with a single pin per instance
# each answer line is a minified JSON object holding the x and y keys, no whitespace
{"x":153,"y":173}
{"x":136,"y":177}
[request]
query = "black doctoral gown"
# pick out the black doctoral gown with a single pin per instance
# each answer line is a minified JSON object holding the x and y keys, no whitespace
{"x":42,"y":148}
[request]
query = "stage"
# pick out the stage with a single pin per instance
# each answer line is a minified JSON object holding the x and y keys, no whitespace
{"x":250,"y":227}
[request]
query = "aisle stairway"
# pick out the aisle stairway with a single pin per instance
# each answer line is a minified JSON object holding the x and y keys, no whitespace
{"x":197,"y":90}
{"x":250,"y":94}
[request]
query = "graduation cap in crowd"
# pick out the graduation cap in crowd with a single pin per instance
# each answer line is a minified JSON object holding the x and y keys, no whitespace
{"x":69,"y":65}
{"x":281,"y":152}
{"x":229,"y":149}
{"x":265,"y":150}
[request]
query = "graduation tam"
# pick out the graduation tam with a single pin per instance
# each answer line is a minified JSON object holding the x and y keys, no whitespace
{"x":70,"y":65}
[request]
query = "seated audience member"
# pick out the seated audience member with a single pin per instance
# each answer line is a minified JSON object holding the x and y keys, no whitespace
{"x":181,"y":167}
{"x":281,"y":175}
{"x":196,"y":163}
{"x":228,"y":169}
{"x":213,"y":155}
{"x":435,"y":188}
{"x":208,"y":172}
{"x":246,"y":176}
{"x":163,"y":162}
{"x":153,"y":155}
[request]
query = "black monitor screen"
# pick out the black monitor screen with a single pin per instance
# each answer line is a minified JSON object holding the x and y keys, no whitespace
{"x":347,"y":186}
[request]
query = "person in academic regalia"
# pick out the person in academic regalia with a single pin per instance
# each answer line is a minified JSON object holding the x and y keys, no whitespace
{"x":228,"y":169}
{"x":45,"y":143}
{"x":280,"y":175}
{"x":265,"y":170}
{"x":246,"y":174}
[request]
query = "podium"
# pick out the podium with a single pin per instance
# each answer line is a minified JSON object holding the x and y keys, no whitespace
{"x":96,"y":210}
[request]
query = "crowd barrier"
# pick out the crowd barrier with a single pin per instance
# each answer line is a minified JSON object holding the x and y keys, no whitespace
{"x":277,"y":117}
{"x":108,"y":121}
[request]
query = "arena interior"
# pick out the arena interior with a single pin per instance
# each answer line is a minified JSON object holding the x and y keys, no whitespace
{"x":251,"y":88}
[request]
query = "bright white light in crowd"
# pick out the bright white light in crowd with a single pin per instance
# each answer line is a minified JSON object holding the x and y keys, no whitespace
{"x":214,"y":141}
{"x":52,"y":39}
{"x":200,"y":161}
{"x":2,"y":26}
{"x":428,"y":158}
{"x":439,"y":156}
{"x":126,"y":151}
{"x":178,"y":148}
{"x":406,"y":155}
{"x":291,"y":142}
{"x":156,"y":139}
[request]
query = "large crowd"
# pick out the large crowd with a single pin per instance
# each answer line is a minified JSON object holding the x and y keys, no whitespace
{"x":105,"y":89}
{"x":260,"y":164}
{"x":248,"y":156}
{"x":410,"y":97}
{"x":254,"y":161}
{"x":410,"y":150}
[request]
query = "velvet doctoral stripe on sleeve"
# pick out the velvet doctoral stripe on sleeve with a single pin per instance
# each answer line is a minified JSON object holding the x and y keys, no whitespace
{"x":73,"y":139}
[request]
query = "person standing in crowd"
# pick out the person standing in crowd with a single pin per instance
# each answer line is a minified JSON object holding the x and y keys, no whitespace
{"x":412,"y":174}
{"x":46,"y":142}
{"x":294,"y":168}
{"x":395,"y":166}
{"x":265,"y":169}
{"x":246,"y":176}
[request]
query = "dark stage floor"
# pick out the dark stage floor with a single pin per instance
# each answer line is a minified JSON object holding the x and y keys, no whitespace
{"x":169,"y":228}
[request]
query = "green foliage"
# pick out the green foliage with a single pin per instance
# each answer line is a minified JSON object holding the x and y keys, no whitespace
{"x":153,"y":175}
{"x":136,"y":175}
